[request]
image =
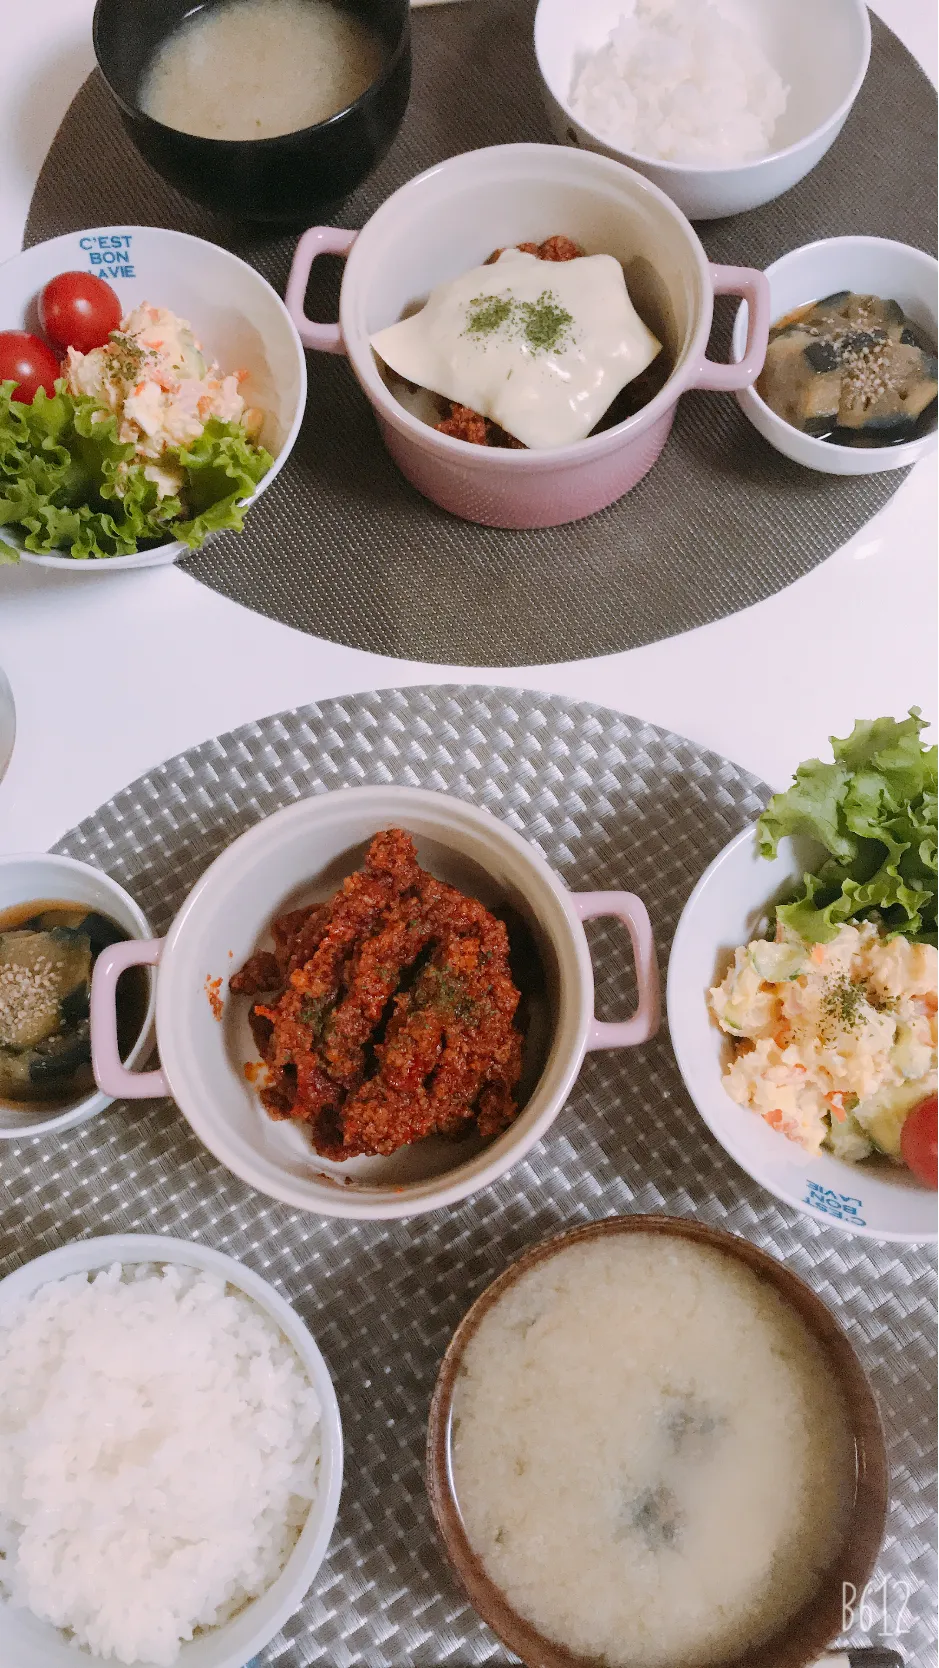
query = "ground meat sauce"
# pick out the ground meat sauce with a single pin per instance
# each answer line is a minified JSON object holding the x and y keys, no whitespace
{"x":465,"y":424}
{"x":389,"y":1011}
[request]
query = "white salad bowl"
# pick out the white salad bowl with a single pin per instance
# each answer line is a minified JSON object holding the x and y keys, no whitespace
{"x":727,"y":908}
{"x":868,"y":266}
{"x":31,"y":877}
{"x":823,"y":83}
{"x":235,"y":314}
{"x":298,"y":856}
{"x":26,"y":1642}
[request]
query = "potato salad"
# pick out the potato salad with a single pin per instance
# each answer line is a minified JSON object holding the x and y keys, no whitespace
{"x":153,"y":375}
{"x":834,"y":1043}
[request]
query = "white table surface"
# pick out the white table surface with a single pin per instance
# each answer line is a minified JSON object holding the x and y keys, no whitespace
{"x":113,"y":673}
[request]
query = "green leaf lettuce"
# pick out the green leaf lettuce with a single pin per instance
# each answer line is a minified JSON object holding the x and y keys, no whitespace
{"x":874,"y":811}
{"x":69,"y":485}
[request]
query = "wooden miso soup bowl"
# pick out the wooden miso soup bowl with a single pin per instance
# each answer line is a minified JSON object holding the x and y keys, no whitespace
{"x":806,"y":1634}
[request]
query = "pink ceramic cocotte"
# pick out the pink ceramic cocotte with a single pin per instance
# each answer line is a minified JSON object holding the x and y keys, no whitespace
{"x":450,"y":219}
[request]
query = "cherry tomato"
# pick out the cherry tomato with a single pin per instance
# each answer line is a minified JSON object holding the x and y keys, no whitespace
{"x":78,"y":310}
{"x":919,"y":1148}
{"x":27,"y":361}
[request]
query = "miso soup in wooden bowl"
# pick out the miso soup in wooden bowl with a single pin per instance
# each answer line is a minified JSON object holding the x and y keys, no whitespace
{"x":651,"y":1446}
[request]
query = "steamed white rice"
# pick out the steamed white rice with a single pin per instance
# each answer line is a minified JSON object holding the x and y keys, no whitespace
{"x":159,"y":1455}
{"x":683,"y":81}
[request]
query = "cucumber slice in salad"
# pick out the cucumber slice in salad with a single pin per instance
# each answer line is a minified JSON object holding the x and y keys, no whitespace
{"x":848,"y":1141}
{"x":777,"y":963}
{"x":732,"y":1020}
{"x":883,"y":1115}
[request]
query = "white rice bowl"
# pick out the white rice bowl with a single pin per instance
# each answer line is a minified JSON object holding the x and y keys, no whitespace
{"x":170,"y":1458}
{"x":681,"y":80}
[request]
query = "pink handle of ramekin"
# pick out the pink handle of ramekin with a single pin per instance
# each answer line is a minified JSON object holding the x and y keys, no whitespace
{"x":111,"y":1075}
{"x":319,"y":240}
{"x":644,"y":1023}
{"x":754,"y":287}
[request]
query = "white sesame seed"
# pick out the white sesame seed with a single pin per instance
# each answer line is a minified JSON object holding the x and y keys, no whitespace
{"x":27,"y":994}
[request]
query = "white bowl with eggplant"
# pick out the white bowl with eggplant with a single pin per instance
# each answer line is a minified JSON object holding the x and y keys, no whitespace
{"x":850,"y":380}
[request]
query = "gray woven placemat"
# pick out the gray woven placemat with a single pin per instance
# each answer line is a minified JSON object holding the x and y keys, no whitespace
{"x":341,"y":546}
{"x":611,"y":801}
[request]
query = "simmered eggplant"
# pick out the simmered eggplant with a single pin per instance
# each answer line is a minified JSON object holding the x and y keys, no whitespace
{"x":46,"y":962}
{"x":851,"y":369}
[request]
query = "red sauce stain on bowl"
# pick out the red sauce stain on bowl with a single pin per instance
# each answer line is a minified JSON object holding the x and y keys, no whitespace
{"x":212,"y":990}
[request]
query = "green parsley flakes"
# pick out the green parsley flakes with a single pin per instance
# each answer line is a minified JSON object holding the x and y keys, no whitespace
{"x":544,"y":325}
{"x":842,"y":1004}
{"x":488,"y":313}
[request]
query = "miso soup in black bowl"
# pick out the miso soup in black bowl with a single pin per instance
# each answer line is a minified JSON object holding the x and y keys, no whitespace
{"x":263,"y":110}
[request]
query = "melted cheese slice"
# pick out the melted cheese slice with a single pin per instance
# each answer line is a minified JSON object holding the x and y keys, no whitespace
{"x":496,"y":340}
